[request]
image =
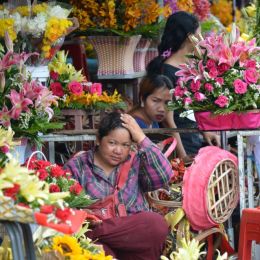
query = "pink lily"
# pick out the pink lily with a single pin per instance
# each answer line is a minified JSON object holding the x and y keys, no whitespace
{"x":32,"y":89}
{"x":19,"y":102}
{"x":5,"y":117}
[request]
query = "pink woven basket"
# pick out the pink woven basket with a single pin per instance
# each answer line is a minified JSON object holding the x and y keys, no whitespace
{"x":248,"y":120}
{"x":210,"y":188}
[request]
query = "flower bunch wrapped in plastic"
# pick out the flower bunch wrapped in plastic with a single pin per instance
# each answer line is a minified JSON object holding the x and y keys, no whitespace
{"x":74,"y":91}
{"x":25,"y":105}
{"x":223,"y":79}
{"x":40,"y":28}
{"x":60,"y":180}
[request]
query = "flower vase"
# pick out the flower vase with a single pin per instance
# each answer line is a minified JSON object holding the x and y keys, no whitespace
{"x":232,"y":121}
{"x":140,"y":53}
{"x":23,"y":151}
{"x":115,"y":54}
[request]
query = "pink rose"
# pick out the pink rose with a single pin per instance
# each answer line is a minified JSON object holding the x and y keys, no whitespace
{"x":195,"y":86}
{"x":221,"y":101}
{"x":187,"y":101}
{"x":5,"y":148}
{"x":220,"y":81}
{"x":54,"y":75}
{"x":178,"y":91}
{"x":199,"y":96}
{"x":210,"y":64}
{"x":240,"y":86}
{"x":213,"y":73}
{"x":250,"y":64}
{"x":75,"y":88}
{"x":57,"y":89}
{"x":251,"y":76}
{"x":96,"y":88}
{"x":223,"y":67}
{"x":208,"y":87}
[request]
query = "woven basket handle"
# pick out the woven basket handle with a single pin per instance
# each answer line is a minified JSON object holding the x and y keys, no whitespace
{"x":206,"y":233}
{"x":173,"y":142}
{"x":33,"y":153}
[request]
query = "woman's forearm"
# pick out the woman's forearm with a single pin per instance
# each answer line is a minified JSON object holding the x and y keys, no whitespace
{"x":169,"y":122}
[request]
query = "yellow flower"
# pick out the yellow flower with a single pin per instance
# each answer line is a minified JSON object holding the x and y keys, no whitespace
{"x":34,"y":190}
{"x":6,"y":138}
{"x":7,"y":24}
{"x":66,"y":245}
{"x":251,"y":10}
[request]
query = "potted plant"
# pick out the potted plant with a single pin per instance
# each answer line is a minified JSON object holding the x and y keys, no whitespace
{"x":221,"y":84}
{"x":115,"y":28}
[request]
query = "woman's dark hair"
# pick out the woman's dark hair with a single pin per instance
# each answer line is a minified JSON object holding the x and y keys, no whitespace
{"x":178,"y":26}
{"x":109,"y":123}
{"x":152,"y":82}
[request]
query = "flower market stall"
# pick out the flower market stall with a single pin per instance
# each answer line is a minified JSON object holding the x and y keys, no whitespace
{"x":49,"y":111}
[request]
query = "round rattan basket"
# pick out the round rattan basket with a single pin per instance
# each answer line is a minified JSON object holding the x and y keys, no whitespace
{"x":210,"y":188}
{"x":223,"y":191}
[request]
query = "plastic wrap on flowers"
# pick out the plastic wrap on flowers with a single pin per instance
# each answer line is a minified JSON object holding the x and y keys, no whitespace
{"x":248,"y":120}
{"x":210,"y":188}
{"x":72,"y":224}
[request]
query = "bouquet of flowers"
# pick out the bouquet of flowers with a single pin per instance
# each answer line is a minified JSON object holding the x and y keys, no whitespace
{"x":60,"y":180}
{"x":52,"y":244}
{"x":223,"y":77}
{"x":25,"y":104}
{"x":74,"y":91}
{"x":38,"y":27}
{"x":120,"y":17}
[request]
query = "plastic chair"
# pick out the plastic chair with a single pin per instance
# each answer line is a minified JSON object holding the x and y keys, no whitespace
{"x":249,"y":231}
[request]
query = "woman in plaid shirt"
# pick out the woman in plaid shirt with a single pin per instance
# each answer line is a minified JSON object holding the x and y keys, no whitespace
{"x":140,"y":234}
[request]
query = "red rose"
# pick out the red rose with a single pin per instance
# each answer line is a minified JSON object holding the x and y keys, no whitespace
{"x":54,"y":188}
{"x":11,"y":192}
{"x":63,"y":214}
{"x":57,"y":171}
{"x":46,"y":209}
{"x":42,"y":164}
{"x":54,"y":75}
{"x":223,"y":67}
{"x":76,"y":188}
{"x":42,"y":174}
{"x":57,"y":89}
{"x":75,"y":88}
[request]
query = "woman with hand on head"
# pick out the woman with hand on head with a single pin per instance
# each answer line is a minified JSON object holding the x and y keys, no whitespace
{"x":141,"y":233}
{"x":180,"y":36}
{"x":152,"y":112}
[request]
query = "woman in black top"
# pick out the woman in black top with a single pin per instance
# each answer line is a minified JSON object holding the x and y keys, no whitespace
{"x":176,"y":43}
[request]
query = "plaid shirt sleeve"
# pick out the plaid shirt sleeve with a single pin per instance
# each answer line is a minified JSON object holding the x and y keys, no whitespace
{"x":155,"y":170}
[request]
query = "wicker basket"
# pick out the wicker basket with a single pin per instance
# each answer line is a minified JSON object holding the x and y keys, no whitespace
{"x":11,"y":212}
{"x":210,"y":188}
{"x":115,"y":54}
{"x":140,"y":53}
{"x":223,"y":189}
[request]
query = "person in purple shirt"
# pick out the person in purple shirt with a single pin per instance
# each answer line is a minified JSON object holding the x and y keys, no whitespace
{"x":141,"y":234}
